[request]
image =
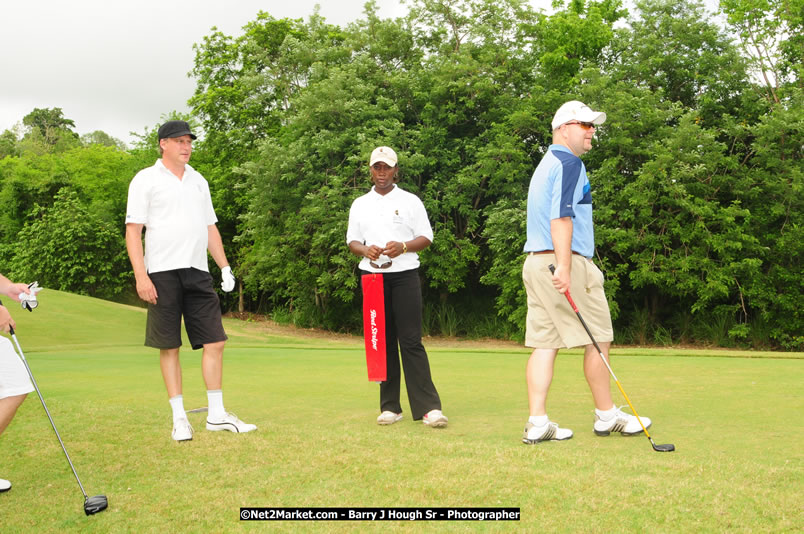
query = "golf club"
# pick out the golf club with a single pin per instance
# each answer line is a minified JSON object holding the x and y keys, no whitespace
{"x":28,"y":300}
{"x":668,"y":447}
{"x":92,"y":505}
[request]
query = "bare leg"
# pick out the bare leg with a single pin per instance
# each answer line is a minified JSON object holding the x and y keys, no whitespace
{"x":597,"y":376}
{"x":539,"y":373}
{"x":171,"y":370}
{"x":212,"y":365}
{"x":8,"y":408}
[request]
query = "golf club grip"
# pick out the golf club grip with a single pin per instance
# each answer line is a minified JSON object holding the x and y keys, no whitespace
{"x":572,"y":303}
{"x":566,"y":294}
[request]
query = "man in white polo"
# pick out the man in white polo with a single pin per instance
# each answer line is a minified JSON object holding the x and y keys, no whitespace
{"x":172,"y":202}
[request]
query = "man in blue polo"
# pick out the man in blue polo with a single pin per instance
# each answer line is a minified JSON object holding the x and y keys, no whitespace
{"x":171,"y":201}
{"x":561,"y":232}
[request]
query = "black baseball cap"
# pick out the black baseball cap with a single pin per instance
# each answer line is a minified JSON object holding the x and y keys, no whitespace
{"x":175,"y":129}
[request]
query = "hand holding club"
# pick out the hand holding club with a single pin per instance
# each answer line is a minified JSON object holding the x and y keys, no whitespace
{"x":28,"y":298}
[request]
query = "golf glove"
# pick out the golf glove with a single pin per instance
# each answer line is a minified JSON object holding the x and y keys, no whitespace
{"x":228,"y":279}
{"x":28,"y":301}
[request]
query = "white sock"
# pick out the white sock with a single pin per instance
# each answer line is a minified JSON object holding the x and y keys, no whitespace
{"x":177,"y":403}
{"x":606,"y":415}
{"x":215,"y":410}
{"x":538,"y":420}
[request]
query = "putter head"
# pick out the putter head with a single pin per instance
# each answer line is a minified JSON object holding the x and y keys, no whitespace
{"x":95,"y":504}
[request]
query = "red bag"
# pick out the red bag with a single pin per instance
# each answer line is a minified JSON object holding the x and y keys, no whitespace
{"x":374,"y":326}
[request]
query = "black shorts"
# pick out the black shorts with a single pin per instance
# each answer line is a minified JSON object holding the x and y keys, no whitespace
{"x":188,"y":293}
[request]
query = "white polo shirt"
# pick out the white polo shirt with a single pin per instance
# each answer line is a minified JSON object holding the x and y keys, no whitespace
{"x":176,"y":214}
{"x":376,"y":219}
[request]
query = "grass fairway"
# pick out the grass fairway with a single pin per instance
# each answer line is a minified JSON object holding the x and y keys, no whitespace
{"x":735,"y":419}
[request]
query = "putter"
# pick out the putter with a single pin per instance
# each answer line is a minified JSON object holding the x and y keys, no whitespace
{"x":667,"y":447}
{"x":92,"y":505}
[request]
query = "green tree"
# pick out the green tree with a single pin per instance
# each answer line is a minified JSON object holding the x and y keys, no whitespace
{"x":244,"y":86}
{"x":99,"y":137}
{"x":673,"y":48}
{"x":572,"y":39}
{"x":442,"y":113}
{"x":301,"y":193}
{"x":696,"y":177}
{"x":774,"y":175}
{"x":25,"y":182}
{"x":8,"y":144}
{"x":772,"y":37}
{"x":67,"y":248}
{"x":48,"y":131}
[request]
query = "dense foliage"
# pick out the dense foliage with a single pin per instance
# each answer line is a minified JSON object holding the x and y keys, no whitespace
{"x":62,"y":207}
{"x":67,"y":247}
{"x":697,"y":174}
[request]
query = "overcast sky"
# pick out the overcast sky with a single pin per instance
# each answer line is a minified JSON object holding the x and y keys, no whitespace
{"x":119,"y":66}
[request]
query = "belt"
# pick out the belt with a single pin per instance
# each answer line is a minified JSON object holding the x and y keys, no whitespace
{"x":550,"y":252}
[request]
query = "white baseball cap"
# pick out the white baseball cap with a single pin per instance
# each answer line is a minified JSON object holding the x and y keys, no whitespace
{"x":384,"y":154}
{"x":577,"y":111}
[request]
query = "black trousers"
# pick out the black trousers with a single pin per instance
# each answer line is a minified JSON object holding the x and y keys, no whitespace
{"x":403,"y":334}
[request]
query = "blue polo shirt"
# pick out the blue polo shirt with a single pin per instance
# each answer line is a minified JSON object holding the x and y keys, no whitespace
{"x":559,"y":188}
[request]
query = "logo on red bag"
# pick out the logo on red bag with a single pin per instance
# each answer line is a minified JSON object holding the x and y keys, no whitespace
{"x":374,"y":329}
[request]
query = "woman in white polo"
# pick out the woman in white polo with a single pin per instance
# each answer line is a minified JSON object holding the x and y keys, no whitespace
{"x":387,"y":227}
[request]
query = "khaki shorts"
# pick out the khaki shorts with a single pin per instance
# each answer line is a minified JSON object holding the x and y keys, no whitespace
{"x":551,"y":323}
{"x":13,"y":376}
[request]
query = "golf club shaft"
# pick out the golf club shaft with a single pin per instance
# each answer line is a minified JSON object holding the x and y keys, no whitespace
{"x":602,"y":357}
{"x":36,"y":387}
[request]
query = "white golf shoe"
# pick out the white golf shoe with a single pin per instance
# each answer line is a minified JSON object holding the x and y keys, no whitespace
{"x":5,"y":485}
{"x":182,"y":431}
{"x":435,"y":419}
{"x":624,"y":423}
{"x":231,"y":423}
{"x":549,"y":432}
{"x":389,"y":418}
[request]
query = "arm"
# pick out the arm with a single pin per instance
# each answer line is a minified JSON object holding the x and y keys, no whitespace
{"x":215,"y":246}
{"x":561,"y":232}
{"x":395,"y":248}
{"x":7,"y":287}
{"x":12,"y":289}
{"x":145,"y":288}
